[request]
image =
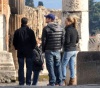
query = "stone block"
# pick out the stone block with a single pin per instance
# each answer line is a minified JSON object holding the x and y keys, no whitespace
{"x":75,"y":5}
{"x":2,"y":33}
{"x":7,"y":68}
{"x":88,"y":68}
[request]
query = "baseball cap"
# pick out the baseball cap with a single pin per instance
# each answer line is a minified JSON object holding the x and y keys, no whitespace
{"x":51,"y":16}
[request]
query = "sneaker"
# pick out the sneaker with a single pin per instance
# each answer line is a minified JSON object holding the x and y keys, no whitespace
{"x":50,"y":84}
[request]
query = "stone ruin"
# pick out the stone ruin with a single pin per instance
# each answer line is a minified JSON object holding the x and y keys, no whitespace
{"x":80,"y":9}
{"x":36,"y":22}
{"x":37,"y":19}
{"x":7,"y":67}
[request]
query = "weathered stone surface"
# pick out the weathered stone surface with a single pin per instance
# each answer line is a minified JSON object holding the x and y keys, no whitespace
{"x":17,"y":6}
{"x":75,"y":5}
{"x":80,"y":9}
{"x":7,"y":68}
{"x":94,"y":86}
{"x":88,"y":68}
{"x":37,"y":19}
{"x":5,"y":10}
{"x":2,"y":33}
{"x":6,"y":58}
{"x":84,"y":41}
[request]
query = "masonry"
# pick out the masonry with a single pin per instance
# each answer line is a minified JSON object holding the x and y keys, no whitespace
{"x":7,"y":67}
{"x":36,"y":20}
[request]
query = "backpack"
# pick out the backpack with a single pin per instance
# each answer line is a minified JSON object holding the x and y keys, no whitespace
{"x":38,"y":57}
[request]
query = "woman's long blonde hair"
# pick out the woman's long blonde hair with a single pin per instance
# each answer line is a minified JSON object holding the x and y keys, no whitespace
{"x":73,"y":19}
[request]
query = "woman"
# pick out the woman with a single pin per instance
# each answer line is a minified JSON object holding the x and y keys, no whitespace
{"x":71,"y":39}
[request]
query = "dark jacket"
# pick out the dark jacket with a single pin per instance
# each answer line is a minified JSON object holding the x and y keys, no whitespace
{"x":24,"y":42}
{"x":52,"y":37}
{"x":71,"y":38}
{"x":38,"y":59}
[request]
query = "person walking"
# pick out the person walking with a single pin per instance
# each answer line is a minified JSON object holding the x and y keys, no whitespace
{"x":24,"y":42}
{"x":52,"y":42}
{"x":69,"y":57}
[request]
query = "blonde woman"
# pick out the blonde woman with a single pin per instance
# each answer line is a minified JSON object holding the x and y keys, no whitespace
{"x":71,"y":39}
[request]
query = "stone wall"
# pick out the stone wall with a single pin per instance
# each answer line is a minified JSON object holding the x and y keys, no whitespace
{"x":36,"y":22}
{"x":37,"y":19}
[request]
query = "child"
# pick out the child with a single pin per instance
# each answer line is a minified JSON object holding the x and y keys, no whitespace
{"x":37,"y":61}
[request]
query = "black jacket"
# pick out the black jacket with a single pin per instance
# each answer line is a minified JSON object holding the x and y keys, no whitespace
{"x":38,"y":59}
{"x":52,"y":37}
{"x":24,"y":42}
{"x":71,"y":38}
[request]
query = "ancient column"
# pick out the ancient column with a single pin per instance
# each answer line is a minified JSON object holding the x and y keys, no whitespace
{"x":7,"y":68}
{"x":17,"y":9}
{"x":79,"y":8}
{"x":17,"y":6}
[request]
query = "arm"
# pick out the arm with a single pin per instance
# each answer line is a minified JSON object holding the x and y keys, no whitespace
{"x":77,"y":38}
{"x":15,"y":40}
{"x":44,"y":33}
{"x":62,"y":39}
{"x":67,"y":36}
{"x":33,"y":40}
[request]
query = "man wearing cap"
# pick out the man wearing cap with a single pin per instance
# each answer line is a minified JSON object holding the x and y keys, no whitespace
{"x":52,"y":42}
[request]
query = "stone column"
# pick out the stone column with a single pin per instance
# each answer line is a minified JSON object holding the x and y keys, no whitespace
{"x":3,"y":33}
{"x":17,"y":6}
{"x":40,"y":20}
{"x":17,"y":9}
{"x":4,"y":9}
{"x":79,"y":8}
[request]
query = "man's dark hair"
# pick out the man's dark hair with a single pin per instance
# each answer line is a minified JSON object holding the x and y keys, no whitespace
{"x":24,"y":20}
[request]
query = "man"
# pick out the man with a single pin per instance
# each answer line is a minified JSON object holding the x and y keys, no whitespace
{"x":24,"y":42}
{"x":52,"y":41}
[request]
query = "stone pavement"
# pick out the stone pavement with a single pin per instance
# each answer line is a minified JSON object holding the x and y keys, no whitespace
{"x":43,"y":85}
{"x":50,"y":87}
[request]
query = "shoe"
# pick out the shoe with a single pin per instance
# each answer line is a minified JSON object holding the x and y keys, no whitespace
{"x":56,"y":84}
{"x":21,"y":84}
{"x":50,"y":84}
{"x":28,"y":84}
{"x":71,"y":82}
{"x":64,"y":83}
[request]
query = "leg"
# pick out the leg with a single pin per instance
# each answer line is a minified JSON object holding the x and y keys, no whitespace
{"x":50,"y":67}
{"x":21,"y":71}
{"x":72,"y":65}
{"x":35,"y":77}
{"x":65,"y":62}
{"x":58,"y":73}
{"x":72,"y":68}
{"x":29,"y":70}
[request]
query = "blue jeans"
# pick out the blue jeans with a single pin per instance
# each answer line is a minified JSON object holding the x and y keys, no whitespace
{"x":35,"y":77}
{"x":21,"y":71}
{"x":69,"y":58}
{"x":53,"y":61}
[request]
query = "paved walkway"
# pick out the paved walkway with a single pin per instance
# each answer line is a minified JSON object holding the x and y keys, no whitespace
{"x":16,"y":84}
{"x":43,"y":85}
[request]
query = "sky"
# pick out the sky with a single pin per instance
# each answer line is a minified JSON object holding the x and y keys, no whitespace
{"x":54,"y":4}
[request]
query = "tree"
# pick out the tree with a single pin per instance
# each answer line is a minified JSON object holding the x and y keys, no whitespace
{"x":94,"y":16}
{"x":30,"y":3}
